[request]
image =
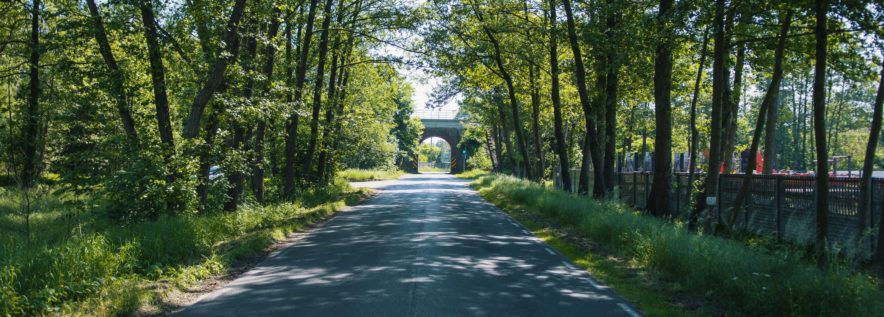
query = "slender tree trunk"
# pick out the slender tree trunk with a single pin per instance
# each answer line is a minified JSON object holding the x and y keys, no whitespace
{"x":611,"y":85}
{"x":770,"y":100}
{"x":865,"y":201}
{"x":498,"y":151}
{"x":260,"y":130}
{"x":535,"y":118}
{"x":317,"y":92}
{"x":115,"y":73}
{"x":733,"y":102}
{"x":506,"y":137}
{"x":658,"y":201}
{"x":692,"y":143}
{"x":819,"y":127}
{"x":561,"y":148}
{"x":235,"y":143}
{"x":292,"y":124}
{"x":770,"y":141}
{"x":157,"y":74}
{"x":495,"y":164}
{"x":329,"y":117}
{"x":511,"y":90}
{"x":31,"y":127}
{"x":592,"y":148}
{"x":228,"y":55}
{"x":719,"y":83}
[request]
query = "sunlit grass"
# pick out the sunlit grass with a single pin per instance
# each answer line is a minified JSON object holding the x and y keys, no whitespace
{"x":738,"y":279}
{"x":433,"y":170}
{"x":471,"y":174}
{"x":107,"y":269}
{"x":367,"y":175}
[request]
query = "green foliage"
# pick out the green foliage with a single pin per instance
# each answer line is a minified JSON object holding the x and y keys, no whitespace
{"x":50,"y":275}
{"x":728,"y":271}
{"x":149,"y":185}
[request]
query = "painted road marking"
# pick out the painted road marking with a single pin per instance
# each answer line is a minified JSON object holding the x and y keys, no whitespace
{"x":628,"y":310}
{"x":550,"y":251}
{"x":526,"y":231}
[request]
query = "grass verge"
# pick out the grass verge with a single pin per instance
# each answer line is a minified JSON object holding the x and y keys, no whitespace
{"x":368,"y":175}
{"x":119,"y":270}
{"x":660,"y":266}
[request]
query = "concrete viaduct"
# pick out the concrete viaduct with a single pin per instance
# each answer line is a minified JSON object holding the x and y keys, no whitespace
{"x":450,"y":130}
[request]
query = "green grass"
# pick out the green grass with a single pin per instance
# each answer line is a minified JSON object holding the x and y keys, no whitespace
{"x":367,"y":175}
{"x":433,"y":170}
{"x":736,"y":279}
{"x":113,"y":270}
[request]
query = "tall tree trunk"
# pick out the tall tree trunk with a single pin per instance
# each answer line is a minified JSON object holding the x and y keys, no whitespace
{"x":495,"y":161}
{"x":506,"y":137}
{"x":216,"y":77}
{"x":733,"y":102}
{"x":591,"y":148}
{"x":317,"y":93}
{"x":157,"y":74}
{"x":692,"y":143}
{"x":116,"y":74}
{"x":498,"y":151}
{"x":561,"y":148}
{"x":330,"y":112}
{"x":658,"y":201}
{"x":770,"y":100}
{"x":235,"y":143}
{"x":719,"y":84}
{"x":292,"y":124}
{"x":770,"y":140}
{"x":865,"y":201}
{"x":260,"y":130}
{"x":535,"y":118}
{"x":611,"y":85}
{"x":31,"y":127}
{"x":819,"y":128}
{"x":511,"y":90}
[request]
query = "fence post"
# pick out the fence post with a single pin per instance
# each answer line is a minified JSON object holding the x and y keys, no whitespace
{"x":634,"y":189}
{"x":779,"y":202}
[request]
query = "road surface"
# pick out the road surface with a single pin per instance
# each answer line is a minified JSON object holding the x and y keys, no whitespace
{"x":427,"y":245}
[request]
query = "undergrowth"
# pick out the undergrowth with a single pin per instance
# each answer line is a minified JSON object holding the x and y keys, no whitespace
{"x":353,"y":174}
{"x":107,"y":269}
{"x":743,"y":280}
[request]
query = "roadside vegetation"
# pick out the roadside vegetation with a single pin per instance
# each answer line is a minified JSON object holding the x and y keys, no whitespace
{"x":355,"y":174}
{"x":738,"y":278}
{"x":101,"y":268}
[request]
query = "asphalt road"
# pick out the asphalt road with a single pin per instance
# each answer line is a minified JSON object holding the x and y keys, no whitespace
{"x":428,"y":245}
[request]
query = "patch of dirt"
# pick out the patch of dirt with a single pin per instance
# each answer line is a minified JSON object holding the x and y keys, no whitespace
{"x":170,"y":299}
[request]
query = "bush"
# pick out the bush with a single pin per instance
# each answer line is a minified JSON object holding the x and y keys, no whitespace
{"x":747,"y":281}
{"x":150,"y":185}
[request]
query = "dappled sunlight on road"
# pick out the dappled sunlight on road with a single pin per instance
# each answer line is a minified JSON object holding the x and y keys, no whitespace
{"x":426,"y":245}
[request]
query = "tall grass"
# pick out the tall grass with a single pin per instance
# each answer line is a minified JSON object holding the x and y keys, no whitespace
{"x":747,"y":282}
{"x":104,"y":270}
{"x":354,"y":174}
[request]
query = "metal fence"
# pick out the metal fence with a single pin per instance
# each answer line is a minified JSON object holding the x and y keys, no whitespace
{"x":780,"y":205}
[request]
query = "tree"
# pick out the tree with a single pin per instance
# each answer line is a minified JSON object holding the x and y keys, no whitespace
{"x":658,"y":200}
{"x":561,"y":149}
{"x":591,"y":147}
{"x":819,"y":127}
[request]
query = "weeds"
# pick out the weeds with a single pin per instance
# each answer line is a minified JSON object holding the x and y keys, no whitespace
{"x":366,"y":175}
{"x":103,"y":271}
{"x":739,"y":277}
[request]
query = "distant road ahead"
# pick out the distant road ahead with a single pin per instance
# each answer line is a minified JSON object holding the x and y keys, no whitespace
{"x":428,"y":245}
